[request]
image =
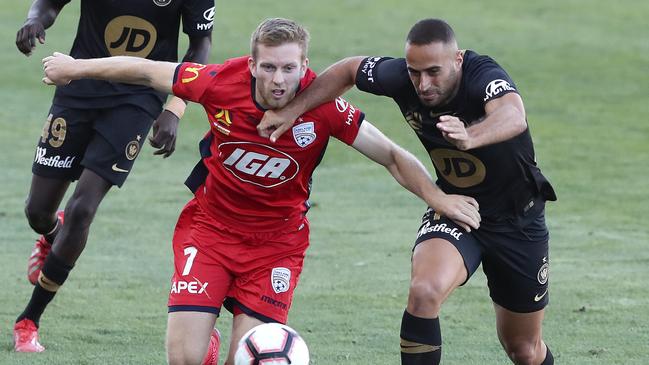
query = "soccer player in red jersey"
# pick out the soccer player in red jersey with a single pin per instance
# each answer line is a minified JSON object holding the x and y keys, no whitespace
{"x":241,"y":242}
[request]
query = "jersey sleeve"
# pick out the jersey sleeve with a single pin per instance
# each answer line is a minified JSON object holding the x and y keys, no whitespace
{"x":344,"y":119}
{"x":488,"y":81}
{"x":198,"y":17}
{"x":382,"y":76}
{"x":194,"y":82}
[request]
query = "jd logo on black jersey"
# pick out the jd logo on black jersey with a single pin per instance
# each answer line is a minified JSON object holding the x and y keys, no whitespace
{"x":458,"y":168}
{"x":130,"y":36}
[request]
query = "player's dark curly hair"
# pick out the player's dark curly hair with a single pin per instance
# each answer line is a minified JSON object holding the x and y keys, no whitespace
{"x":430,"y":30}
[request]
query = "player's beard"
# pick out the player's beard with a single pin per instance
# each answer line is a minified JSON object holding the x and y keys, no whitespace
{"x":445,"y":93}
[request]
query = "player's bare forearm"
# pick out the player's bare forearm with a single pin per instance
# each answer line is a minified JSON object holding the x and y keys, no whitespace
{"x":60,"y":69}
{"x":505,"y":119}
{"x":44,"y":11}
{"x":333,"y":82}
{"x":412,"y":175}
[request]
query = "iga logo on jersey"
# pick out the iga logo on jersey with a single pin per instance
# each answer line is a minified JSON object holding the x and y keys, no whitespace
{"x":258,"y":164}
{"x":496,"y":87}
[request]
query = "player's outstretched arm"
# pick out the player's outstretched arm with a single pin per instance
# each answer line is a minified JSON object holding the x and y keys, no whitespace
{"x":333,"y":82}
{"x":412,"y":175}
{"x":60,"y":69}
{"x":41,"y":16}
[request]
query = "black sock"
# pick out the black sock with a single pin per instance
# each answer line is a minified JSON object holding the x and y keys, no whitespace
{"x":549,"y":359}
{"x":53,"y":275}
{"x":49,"y":237}
{"x":421,"y":340}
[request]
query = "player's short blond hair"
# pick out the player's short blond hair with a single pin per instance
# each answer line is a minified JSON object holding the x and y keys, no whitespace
{"x":275,"y":32}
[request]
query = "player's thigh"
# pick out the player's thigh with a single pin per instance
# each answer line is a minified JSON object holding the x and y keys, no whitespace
{"x":200,"y":281}
{"x":265,"y":285}
{"x":120,"y":134}
{"x":445,"y":255}
{"x":63,"y":142}
{"x":188,"y":335}
{"x":241,"y":324}
{"x":45,"y":195}
{"x":517,"y":267}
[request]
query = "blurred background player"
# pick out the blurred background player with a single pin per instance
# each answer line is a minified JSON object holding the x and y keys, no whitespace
{"x":468,"y":114}
{"x":95,"y":129}
{"x":241,"y":242}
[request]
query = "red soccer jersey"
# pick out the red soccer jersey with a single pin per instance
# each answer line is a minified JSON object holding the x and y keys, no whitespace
{"x":251,"y":184}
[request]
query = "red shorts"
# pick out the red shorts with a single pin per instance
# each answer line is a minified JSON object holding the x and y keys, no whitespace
{"x":254,"y":273}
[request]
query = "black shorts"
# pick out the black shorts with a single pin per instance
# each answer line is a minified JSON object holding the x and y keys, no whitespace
{"x":106,"y":141}
{"x":515,"y":262}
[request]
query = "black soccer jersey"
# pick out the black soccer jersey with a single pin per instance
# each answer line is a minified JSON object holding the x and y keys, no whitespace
{"x":140,"y":28}
{"x":502,"y":177}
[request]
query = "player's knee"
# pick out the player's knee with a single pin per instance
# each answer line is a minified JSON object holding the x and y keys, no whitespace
{"x":426,"y":296}
{"x":79,"y":212}
{"x":522,"y":352}
{"x":40,"y":220}
{"x":181,"y":353}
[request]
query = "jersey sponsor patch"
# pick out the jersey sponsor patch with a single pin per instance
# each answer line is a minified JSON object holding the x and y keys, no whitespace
{"x":258,"y":164}
{"x":496,"y":87}
{"x":55,"y":161}
{"x":368,"y":67}
{"x":343,"y":106}
{"x":459,"y":168}
{"x":280,"y":278}
{"x":190,"y":73}
{"x":128,"y":35}
{"x":304,"y":134}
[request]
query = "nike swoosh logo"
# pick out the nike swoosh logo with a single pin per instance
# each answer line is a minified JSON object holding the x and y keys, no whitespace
{"x":538,"y":297}
{"x":117,"y":169}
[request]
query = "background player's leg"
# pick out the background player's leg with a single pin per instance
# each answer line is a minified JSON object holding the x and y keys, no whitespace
{"x":437,"y":269}
{"x":188,"y":336}
{"x":520,"y":336}
{"x":79,"y":214}
{"x":45,"y":195}
{"x":69,"y":243}
{"x":241,"y":324}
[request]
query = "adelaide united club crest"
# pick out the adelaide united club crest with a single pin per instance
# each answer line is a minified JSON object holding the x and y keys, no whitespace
{"x":304,"y":134}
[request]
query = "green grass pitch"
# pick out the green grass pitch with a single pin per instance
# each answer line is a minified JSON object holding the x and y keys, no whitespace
{"x":581,"y":67}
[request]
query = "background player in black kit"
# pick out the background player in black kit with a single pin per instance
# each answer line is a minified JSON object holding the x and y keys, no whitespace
{"x":468,"y":114}
{"x":95,"y":129}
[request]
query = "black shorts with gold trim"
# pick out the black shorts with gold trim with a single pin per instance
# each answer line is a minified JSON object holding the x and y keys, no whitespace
{"x":515,"y":262}
{"x":106,"y":141}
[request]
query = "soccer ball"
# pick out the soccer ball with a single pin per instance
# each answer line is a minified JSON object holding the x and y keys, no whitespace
{"x":271,"y":344}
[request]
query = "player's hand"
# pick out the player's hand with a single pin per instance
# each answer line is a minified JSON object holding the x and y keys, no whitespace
{"x":27,"y":35}
{"x":274,"y":124}
{"x":165,"y":131}
{"x":454,"y":131}
{"x":58,"y":68}
{"x":463,"y":210}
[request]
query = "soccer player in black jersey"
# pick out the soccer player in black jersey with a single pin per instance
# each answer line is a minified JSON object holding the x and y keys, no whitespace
{"x":95,"y":129}
{"x":468,"y":114}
